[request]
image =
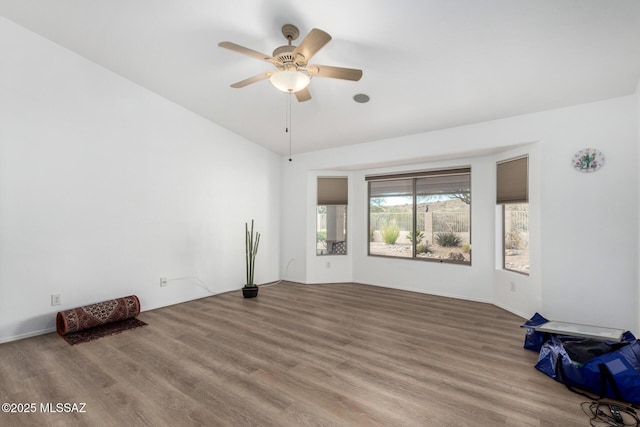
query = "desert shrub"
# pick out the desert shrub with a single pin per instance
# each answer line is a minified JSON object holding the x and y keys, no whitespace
{"x":424,"y":248}
{"x":448,"y":239}
{"x":512,"y":240}
{"x":420,"y":236}
{"x":466,"y":248}
{"x":390,"y":233}
{"x":456,"y":256}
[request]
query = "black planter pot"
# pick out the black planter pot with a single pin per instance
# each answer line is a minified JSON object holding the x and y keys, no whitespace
{"x":250,"y":291}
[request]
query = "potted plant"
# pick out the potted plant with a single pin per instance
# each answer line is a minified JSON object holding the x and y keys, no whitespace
{"x":250,"y":289}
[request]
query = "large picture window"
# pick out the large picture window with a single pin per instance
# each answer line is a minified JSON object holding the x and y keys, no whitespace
{"x":424,"y":215}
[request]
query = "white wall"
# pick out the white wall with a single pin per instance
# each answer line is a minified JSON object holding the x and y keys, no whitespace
{"x":589,"y":221}
{"x":105,"y":187}
{"x":294,"y":217}
{"x":584,"y":251}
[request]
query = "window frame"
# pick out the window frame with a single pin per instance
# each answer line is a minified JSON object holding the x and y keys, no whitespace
{"x":515,"y":192}
{"x":415,"y":176}
{"x":332,"y":191}
{"x":345,"y":241}
{"x":504,"y":239}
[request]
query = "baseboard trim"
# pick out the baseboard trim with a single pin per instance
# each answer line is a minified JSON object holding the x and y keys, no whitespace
{"x":27,"y":335}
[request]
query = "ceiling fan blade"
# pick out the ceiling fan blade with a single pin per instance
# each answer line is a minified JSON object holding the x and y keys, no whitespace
{"x":312,"y":43}
{"x":253,"y":79}
{"x":303,"y":95}
{"x":249,"y":52}
{"x":334,"y":72}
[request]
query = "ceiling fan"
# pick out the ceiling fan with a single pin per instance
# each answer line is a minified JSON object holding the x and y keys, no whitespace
{"x":293,"y":72}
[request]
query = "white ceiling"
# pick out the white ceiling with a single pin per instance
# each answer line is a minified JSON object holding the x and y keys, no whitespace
{"x":428,"y":64}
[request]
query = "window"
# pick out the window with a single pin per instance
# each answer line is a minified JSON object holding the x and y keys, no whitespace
{"x":515,"y":217}
{"x":513,"y":194}
{"x":331,"y":216}
{"x":424,"y":215}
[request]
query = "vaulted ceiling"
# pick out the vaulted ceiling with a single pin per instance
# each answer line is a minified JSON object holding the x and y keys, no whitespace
{"x":428,"y":64}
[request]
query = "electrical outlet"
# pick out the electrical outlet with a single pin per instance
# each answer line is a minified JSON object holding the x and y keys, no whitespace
{"x":56,"y":299}
{"x":512,"y":286}
{"x":163,"y":282}
{"x":328,"y":264}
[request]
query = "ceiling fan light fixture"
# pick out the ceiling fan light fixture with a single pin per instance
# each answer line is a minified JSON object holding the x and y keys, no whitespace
{"x":290,"y":81}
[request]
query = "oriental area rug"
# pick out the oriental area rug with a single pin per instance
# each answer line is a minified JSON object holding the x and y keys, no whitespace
{"x":90,"y":322}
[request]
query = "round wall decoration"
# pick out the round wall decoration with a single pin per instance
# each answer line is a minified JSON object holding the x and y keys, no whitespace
{"x":588,"y":160}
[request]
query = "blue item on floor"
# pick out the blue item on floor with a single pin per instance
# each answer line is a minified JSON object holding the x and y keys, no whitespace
{"x":534,"y":340}
{"x":614,"y":374}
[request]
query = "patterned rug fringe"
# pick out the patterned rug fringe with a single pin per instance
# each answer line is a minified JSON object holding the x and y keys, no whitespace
{"x":100,"y":331}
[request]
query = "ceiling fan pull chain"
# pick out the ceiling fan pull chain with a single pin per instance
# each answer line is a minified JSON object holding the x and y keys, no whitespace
{"x":289,"y":123}
{"x":286,"y":117}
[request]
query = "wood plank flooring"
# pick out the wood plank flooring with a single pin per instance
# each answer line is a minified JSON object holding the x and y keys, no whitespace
{"x":298,"y":355}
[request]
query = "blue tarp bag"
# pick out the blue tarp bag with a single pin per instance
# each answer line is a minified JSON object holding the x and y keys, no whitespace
{"x":534,"y":340}
{"x":613,"y":373}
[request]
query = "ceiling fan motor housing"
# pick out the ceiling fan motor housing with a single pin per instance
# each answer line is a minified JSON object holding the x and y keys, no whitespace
{"x":284,"y":54}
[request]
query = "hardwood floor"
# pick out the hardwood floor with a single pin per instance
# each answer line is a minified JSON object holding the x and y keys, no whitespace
{"x":322,"y":355}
